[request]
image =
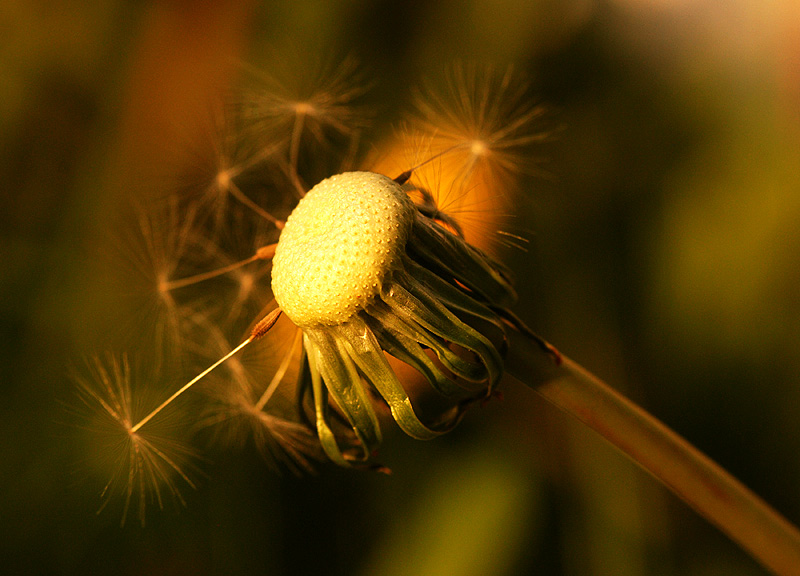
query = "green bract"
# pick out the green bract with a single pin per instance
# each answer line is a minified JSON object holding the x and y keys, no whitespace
{"x":362,"y":272}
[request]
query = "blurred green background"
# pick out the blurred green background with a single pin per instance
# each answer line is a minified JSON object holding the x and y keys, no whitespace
{"x":664,"y":256}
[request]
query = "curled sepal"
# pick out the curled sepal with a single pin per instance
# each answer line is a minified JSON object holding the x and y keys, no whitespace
{"x":343,"y":383}
{"x":449,"y":256}
{"x":321,"y":408}
{"x":454,"y":298}
{"x":402,"y":324}
{"x":419,"y":304}
{"x":366,"y":353}
{"x":408,"y":350}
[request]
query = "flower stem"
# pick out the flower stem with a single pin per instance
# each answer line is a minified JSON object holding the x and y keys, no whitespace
{"x":697,"y":480}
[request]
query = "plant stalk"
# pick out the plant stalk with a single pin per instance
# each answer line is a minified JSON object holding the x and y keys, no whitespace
{"x":696,"y":479}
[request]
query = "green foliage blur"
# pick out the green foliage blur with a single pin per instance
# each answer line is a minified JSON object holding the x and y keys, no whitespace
{"x":664,"y":255}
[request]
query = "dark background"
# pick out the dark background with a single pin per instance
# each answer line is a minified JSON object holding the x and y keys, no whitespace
{"x":664,"y":256}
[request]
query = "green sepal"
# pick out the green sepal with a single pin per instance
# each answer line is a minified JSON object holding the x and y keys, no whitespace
{"x":321,"y":408}
{"x":403,"y":322}
{"x":451,"y":257}
{"x":454,"y":298}
{"x":345,"y":387}
{"x":420,"y":303}
{"x":408,"y":350}
{"x":367,"y":355}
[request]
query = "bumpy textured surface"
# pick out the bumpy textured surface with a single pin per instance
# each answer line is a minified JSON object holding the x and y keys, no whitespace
{"x":338,"y":246}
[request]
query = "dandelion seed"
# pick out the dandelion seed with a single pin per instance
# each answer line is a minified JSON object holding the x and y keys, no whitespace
{"x":161,"y":243}
{"x":218,"y":168}
{"x":478,"y":127}
{"x":240,"y":285}
{"x":489,"y":113}
{"x":311,"y":107}
{"x":259,"y":330}
{"x":323,"y":95}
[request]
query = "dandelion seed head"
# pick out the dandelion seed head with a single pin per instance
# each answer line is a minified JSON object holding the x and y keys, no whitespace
{"x":339,"y":245}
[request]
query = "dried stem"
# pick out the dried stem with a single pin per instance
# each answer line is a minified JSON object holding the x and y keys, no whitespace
{"x":168,"y":285}
{"x":237,"y":193}
{"x":701,"y":483}
{"x":259,"y":330}
{"x":263,"y":253}
{"x":188,"y":385}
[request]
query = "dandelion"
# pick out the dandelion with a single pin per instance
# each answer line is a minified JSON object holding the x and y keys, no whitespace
{"x":385,"y":278}
{"x":361,"y":272}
